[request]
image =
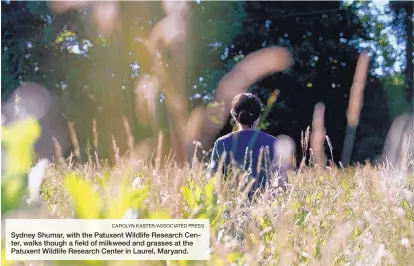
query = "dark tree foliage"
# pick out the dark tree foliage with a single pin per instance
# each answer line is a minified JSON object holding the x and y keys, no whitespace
{"x":407,"y":8}
{"x":36,"y":47}
{"x":96,"y":83}
{"x":20,"y":37}
{"x":374,"y":124}
{"x":27,"y":55}
{"x":319,"y":35}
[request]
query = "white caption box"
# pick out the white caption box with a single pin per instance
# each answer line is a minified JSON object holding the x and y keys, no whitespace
{"x":82,"y":239}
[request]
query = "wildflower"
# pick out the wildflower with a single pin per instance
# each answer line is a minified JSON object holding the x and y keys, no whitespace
{"x":197,"y":143}
{"x":136,"y":182}
{"x":131,"y":214}
{"x":367,"y":238}
{"x":405,"y":242}
{"x":304,"y":254}
{"x":400,"y":212}
{"x":35,"y":179}
{"x":409,"y":195}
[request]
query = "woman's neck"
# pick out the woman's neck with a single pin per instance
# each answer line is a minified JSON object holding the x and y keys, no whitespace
{"x":242,"y":127}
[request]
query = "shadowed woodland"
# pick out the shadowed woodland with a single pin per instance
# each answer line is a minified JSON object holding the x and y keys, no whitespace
{"x":125,"y":73}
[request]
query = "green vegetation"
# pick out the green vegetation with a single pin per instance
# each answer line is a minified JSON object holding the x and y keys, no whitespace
{"x":328,"y":216}
{"x":93,"y":73}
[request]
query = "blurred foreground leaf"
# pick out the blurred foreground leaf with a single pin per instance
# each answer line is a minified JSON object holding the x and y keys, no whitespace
{"x":159,"y":214}
{"x":130,"y":199}
{"x":189,"y":197}
{"x":87,"y":202}
{"x":5,"y":262}
{"x":18,"y":139}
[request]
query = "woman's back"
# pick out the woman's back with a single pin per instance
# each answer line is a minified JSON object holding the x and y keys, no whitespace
{"x":249,"y":150}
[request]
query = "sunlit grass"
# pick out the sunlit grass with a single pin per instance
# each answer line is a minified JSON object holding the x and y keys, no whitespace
{"x":328,"y":216}
{"x":358,"y":216}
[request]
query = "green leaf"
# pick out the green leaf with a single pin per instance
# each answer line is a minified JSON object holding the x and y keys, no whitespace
{"x":405,"y":204}
{"x":159,"y":214}
{"x":263,"y":224}
{"x":19,"y":139}
{"x":177,"y":263}
{"x":209,"y":193}
{"x":189,"y":197}
{"x":130,"y":199}
{"x":183,"y":263}
{"x":319,"y":196}
{"x":11,"y":193}
{"x":203,"y":215}
{"x":308,"y":199}
{"x":197,"y":193}
{"x":101,"y":182}
{"x":216,"y":220}
{"x":234,"y":257}
{"x":87,"y":202}
{"x":296,"y":205}
{"x":5,"y":262}
{"x":301,"y":217}
{"x":139,"y":197}
{"x":62,"y":36}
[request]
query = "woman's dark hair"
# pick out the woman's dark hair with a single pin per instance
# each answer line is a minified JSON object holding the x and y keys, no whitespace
{"x":246,"y":108}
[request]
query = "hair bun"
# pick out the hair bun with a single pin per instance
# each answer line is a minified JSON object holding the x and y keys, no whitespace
{"x":247,"y":118}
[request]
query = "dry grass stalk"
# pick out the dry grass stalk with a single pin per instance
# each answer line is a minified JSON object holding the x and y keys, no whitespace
{"x":74,"y":140}
{"x":95,"y":141}
{"x":116,"y":150}
{"x":170,"y":33}
{"x":357,"y":90}
{"x":354,"y":106}
{"x":305,"y":144}
{"x":128,"y":133}
{"x":58,"y":150}
{"x":159,"y":151}
{"x":103,"y":14}
{"x":318,"y":134}
{"x":404,"y":153}
{"x":259,"y":160}
{"x":330,"y":147}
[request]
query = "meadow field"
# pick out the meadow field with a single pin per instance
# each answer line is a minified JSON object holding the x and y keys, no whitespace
{"x":141,"y":83}
{"x":360,"y":215}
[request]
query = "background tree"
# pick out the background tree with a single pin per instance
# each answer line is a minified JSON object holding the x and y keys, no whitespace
{"x":92,"y":64}
{"x":324,"y":39}
{"x":404,"y":11}
{"x":98,"y":77}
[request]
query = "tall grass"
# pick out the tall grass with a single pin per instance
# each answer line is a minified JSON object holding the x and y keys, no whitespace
{"x":328,"y":216}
